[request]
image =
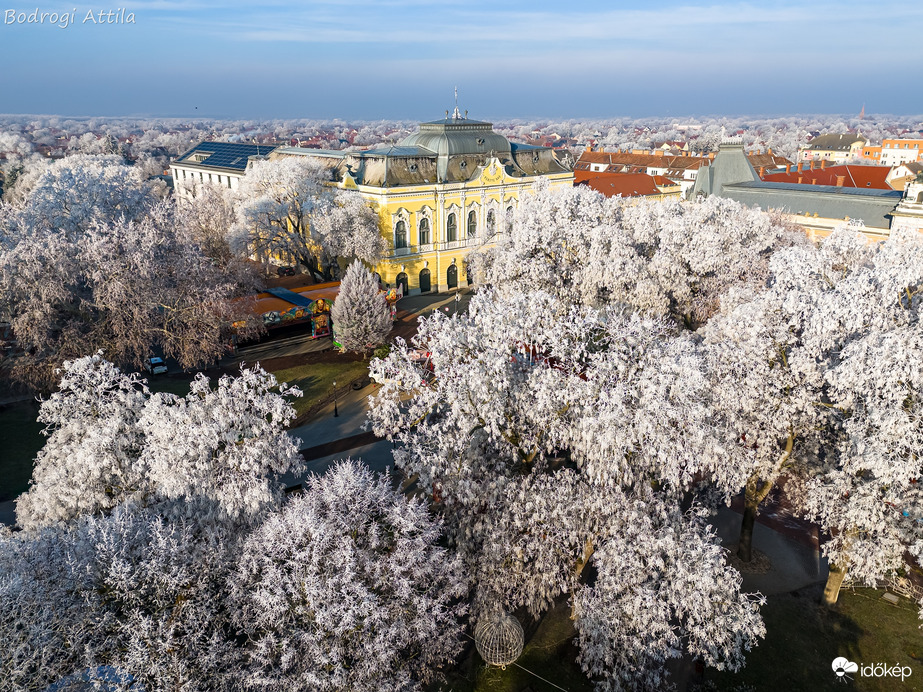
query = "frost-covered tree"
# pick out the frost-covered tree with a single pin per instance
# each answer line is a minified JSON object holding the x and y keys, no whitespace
{"x":208,"y":214}
{"x":665,"y":258}
{"x":234,"y":442}
{"x":769,"y":353}
{"x":347,"y":589}
{"x":71,"y":194}
{"x":90,"y":462}
{"x":110,"y":441}
{"x":122,"y":286}
{"x":287,"y":209}
{"x":360,"y":314}
{"x":868,"y":493}
{"x":349,"y":230}
{"x":545,"y":431}
{"x":130,"y":592}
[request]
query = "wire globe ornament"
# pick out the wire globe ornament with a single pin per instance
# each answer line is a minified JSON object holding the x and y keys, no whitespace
{"x":498,"y":638}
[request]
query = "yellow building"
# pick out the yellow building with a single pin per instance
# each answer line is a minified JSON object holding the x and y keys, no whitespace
{"x":441,"y":192}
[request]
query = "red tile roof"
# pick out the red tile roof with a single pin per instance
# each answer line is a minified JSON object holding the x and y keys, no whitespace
{"x":623,"y":162}
{"x":869,"y":177}
{"x":624,"y":184}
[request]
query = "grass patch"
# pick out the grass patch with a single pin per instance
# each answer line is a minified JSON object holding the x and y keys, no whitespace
{"x":316,"y":381}
{"x":803,"y":638}
{"x":549,"y":653}
{"x":20,"y":440}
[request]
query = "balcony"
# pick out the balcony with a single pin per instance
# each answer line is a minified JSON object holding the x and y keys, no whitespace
{"x":441,"y":247}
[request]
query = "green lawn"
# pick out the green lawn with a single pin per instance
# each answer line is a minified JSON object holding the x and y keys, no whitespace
{"x":21,"y":438}
{"x":803,"y":638}
{"x":20,"y":441}
{"x":316,"y":381}
{"x":550,"y":653}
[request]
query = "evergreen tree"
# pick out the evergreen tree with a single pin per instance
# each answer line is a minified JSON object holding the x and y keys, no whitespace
{"x":361,"y":317}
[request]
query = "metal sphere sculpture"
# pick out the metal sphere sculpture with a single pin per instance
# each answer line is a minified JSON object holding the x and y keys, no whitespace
{"x":498,"y":637}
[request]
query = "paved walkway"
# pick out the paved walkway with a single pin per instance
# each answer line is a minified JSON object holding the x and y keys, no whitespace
{"x":326,"y":428}
{"x":795,"y":564}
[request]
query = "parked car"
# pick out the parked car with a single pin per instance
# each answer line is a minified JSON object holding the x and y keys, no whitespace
{"x":155,"y":365}
{"x":285,"y":271}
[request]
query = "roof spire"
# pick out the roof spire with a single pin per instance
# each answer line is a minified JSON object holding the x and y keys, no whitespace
{"x":456,"y":115}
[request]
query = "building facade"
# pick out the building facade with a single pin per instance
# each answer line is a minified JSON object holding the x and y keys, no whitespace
{"x":894,"y":152}
{"x":836,"y":148}
{"x":214,"y":163}
{"x":441,"y":192}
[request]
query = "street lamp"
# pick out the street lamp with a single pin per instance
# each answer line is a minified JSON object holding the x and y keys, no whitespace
{"x":335,"y":412}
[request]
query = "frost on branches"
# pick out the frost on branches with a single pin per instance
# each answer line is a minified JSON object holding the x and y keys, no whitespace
{"x":155,"y":546}
{"x":110,"y":440}
{"x":543,"y":430}
{"x":287,"y":210}
{"x":361,"y":316}
{"x":868,"y":494}
{"x":118,"y":274}
{"x":346,"y":589}
{"x":128,"y":590}
{"x":664,"y":258}
{"x":769,"y":353}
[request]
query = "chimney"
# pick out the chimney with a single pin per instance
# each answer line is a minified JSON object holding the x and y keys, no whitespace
{"x":812,"y":164}
{"x":800,"y":166}
{"x":769,"y":150}
{"x":823,"y":164}
{"x":711,"y":156}
{"x":840,"y":179}
{"x":762,"y":172}
{"x":800,"y":178}
{"x":813,"y":181}
{"x":788,"y":168}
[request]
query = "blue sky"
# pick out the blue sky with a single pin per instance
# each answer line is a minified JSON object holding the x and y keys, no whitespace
{"x":371,"y":59}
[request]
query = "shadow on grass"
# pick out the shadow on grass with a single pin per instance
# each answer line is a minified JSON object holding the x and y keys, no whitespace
{"x":550,"y":653}
{"x":803,"y":638}
{"x":20,"y":441}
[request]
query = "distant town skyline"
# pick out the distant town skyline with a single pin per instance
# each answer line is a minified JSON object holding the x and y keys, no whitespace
{"x":401,"y":59}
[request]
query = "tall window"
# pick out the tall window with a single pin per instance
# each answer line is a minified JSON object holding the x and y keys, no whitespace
{"x":400,"y":234}
{"x":509,"y":217}
{"x":451,"y":228}
{"x":491,"y":223}
{"x":472,"y":224}
{"x":424,"y":231}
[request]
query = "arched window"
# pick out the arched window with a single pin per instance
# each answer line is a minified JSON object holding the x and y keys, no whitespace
{"x":509,"y":217}
{"x":401,"y":281}
{"x":491,"y":223}
{"x":472,"y":224}
{"x":451,"y":228}
{"x":400,"y":234}
{"x":424,"y":231}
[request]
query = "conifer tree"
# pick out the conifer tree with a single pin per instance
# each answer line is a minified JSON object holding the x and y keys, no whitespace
{"x":361,"y":317}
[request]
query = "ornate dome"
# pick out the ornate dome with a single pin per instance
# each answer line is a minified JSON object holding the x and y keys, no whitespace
{"x":458,"y":135}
